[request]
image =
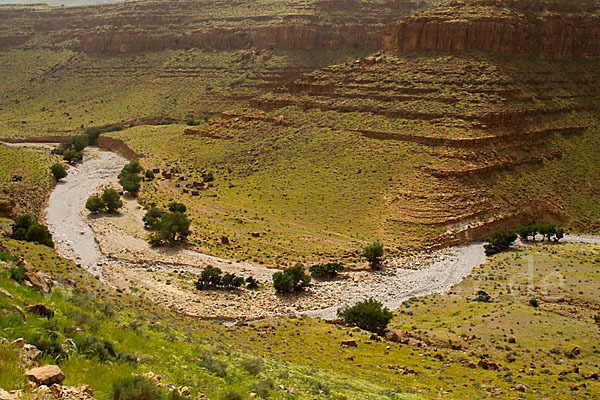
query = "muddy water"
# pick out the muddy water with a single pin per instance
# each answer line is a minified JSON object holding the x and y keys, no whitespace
{"x":65,"y":213}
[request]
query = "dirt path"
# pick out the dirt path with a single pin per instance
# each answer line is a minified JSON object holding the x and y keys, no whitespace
{"x":114,"y":247}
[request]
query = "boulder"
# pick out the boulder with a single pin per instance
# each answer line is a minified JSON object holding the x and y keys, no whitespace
{"x":37,"y":281}
{"x":349,"y":343}
{"x":488,"y":364}
{"x":40,"y":309}
{"x":46,"y":375}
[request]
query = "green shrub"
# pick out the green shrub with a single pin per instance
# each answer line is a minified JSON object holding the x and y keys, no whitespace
{"x":103,"y":349}
{"x":499,"y":241}
{"x":192,"y":122}
{"x":95,"y":204}
{"x":130,"y":182}
{"x":20,"y":226}
{"x":136,"y":388}
{"x":149,"y":174}
{"x":533,"y":302}
{"x":214,"y":365}
{"x":251,"y":283}
{"x":527,"y":231}
{"x":210,"y":277}
{"x":58,"y":171}
{"x":263,"y":387}
{"x":18,"y":273}
{"x":373,"y":253}
{"x":133,"y":167}
{"x":72,"y":156}
{"x":26,"y":228}
{"x":329,"y":270}
{"x":368,"y":314}
{"x":290,"y":279}
{"x":6,"y":256}
{"x":112,"y":199}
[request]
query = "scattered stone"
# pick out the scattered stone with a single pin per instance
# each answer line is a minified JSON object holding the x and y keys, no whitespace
{"x":18,"y":343}
{"x":6,"y":293}
{"x":591,"y":375}
{"x":36,"y":280}
{"x":46,"y":375}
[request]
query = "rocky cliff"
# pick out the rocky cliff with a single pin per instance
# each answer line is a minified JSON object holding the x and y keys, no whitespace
{"x":546,"y":29}
{"x":150,"y":25}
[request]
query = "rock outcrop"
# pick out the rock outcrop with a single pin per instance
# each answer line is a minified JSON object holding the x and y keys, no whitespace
{"x":546,"y":29}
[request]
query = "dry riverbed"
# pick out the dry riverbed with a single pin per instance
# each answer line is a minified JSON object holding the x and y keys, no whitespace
{"x":114,"y":248}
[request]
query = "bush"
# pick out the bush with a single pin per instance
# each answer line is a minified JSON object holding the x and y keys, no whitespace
{"x":373,"y":253}
{"x":290,"y":279}
{"x":192,"y":122}
{"x":328,"y":270}
{"x":151,"y":216}
{"x":72,"y":156}
{"x":58,"y":171}
{"x":112,"y":199}
{"x":210,"y":277}
{"x":368,"y":314}
{"x":95,"y":204}
{"x":170,"y":228}
{"x":177,"y":207}
{"x":263,"y":387}
{"x":26,"y":228}
{"x":149,"y":174}
{"x":546,"y":229}
{"x":39,"y":233}
{"x":212,"y":364}
{"x":133,"y":167}
{"x":18,"y":274}
{"x":251,"y":283}
{"x":499,"y":242}
{"x":136,"y":388}
{"x":232,"y":395}
{"x":130,"y":182}
{"x":103,"y":349}
{"x":78,"y":143}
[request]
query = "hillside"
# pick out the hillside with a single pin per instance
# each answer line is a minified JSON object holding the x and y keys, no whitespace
{"x":416,"y":150}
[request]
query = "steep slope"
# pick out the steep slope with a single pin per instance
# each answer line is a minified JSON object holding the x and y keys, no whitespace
{"x":417,"y":150}
{"x":208,"y":24}
{"x":554,"y":29}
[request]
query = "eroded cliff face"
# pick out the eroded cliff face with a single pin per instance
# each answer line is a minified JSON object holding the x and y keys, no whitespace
{"x":150,"y":25}
{"x":546,"y":29}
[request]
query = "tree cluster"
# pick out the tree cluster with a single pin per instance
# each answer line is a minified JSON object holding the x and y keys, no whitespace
{"x":213,"y":278}
{"x":499,"y":242}
{"x":368,"y":314}
{"x":547,"y":230}
{"x":168,"y":226}
{"x":28,"y":229}
{"x":291,"y":279}
{"x":109,"y":201}
{"x":328,"y":270}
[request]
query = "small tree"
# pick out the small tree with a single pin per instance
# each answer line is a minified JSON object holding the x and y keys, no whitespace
{"x":290,"y":279}
{"x":58,"y":171}
{"x":499,"y":241}
{"x":112,"y":199}
{"x":210,"y":277}
{"x":130,"y":182}
{"x":373,"y":253}
{"x":72,"y":156}
{"x":177,"y":207}
{"x":151,"y":216}
{"x":170,"y":228}
{"x":368,"y":314}
{"x":546,"y":229}
{"x":19,"y":228}
{"x":95,"y":204}
{"x":133,"y":167}
{"x":149,"y":174}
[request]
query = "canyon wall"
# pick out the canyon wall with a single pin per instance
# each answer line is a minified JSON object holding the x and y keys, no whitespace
{"x":550,"y":32}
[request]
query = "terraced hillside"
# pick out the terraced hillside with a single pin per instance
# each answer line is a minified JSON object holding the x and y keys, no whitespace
{"x":208,"y":24}
{"x":417,"y":150}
